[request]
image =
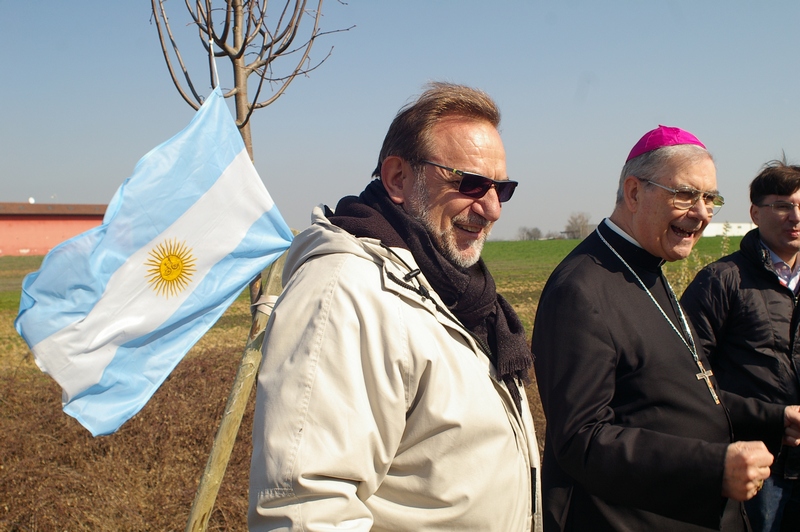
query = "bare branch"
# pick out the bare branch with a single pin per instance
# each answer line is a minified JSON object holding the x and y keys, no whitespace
{"x":292,"y":27}
{"x":227,"y":26}
{"x":268,"y":40}
{"x":249,"y":19}
{"x":286,"y":40}
{"x":221,"y":40}
{"x":159,"y":14}
{"x":253,"y":41}
{"x":258,"y":66}
{"x":195,"y":18}
{"x":294,"y":74}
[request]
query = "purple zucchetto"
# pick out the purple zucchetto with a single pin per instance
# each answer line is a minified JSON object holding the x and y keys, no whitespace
{"x":660,"y":137}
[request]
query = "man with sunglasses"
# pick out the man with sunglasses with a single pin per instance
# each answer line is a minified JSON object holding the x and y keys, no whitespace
{"x":391,"y":396}
{"x":744,"y":307}
{"x":638,"y":433}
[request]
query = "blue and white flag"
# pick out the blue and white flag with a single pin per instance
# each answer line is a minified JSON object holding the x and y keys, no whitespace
{"x":112,"y":311}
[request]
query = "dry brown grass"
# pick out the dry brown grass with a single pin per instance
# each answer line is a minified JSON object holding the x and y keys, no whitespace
{"x":55,"y":476}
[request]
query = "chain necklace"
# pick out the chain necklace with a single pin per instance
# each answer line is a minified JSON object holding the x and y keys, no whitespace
{"x":704,"y":373}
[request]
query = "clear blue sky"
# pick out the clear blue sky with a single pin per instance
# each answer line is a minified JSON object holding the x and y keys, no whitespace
{"x":85,"y":94}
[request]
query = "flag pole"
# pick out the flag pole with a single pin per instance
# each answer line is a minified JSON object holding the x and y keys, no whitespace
{"x":211,"y":480}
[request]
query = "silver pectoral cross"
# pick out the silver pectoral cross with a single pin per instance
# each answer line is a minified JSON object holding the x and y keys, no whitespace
{"x":706,"y":375}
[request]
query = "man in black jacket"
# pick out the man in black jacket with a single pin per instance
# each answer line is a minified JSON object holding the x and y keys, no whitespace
{"x":744,"y":308}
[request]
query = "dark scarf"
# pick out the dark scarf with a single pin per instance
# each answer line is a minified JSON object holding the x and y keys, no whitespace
{"x":469,"y":293}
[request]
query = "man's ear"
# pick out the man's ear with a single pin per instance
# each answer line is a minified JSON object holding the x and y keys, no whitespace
{"x":754,"y":213}
{"x":397,"y":178}
{"x":632,"y":189}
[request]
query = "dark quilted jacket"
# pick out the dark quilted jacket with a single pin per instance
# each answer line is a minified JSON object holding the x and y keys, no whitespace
{"x":748,"y":324}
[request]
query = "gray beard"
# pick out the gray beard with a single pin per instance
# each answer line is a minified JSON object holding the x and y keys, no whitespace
{"x":444,"y":241}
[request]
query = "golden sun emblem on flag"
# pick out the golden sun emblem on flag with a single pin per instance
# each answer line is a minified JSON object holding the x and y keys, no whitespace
{"x":171,"y":266}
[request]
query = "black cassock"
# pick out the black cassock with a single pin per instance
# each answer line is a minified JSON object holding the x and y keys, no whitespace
{"x":634,"y":440}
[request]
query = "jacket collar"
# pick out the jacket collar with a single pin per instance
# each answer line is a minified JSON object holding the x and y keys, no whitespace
{"x":752,"y":248}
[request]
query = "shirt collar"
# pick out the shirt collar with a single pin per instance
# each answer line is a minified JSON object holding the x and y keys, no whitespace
{"x":788,"y":276}
{"x":777,"y":260}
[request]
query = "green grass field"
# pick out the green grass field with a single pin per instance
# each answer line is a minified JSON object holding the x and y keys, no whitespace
{"x":520,"y":269}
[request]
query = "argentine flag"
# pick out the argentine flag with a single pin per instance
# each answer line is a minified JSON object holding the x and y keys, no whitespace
{"x":112,"y":311}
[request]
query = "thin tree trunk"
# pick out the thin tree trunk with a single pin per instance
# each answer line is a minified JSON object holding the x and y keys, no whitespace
{"x":240,"y":75}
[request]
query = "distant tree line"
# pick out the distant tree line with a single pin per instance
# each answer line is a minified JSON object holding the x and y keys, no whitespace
{"x":534,"y":233}
{"x":529,"y":233}
{"x":577,"y":226}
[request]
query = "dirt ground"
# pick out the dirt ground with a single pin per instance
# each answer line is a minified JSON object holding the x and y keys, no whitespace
{"x":55,"y":476}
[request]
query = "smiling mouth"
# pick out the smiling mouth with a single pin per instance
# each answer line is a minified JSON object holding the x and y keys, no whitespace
{"x":474,"y":229}
{"x":474,"y":226}
{"x":682,"y":232}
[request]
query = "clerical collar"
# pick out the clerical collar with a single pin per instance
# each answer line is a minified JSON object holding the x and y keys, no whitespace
{"x":631,"y":248}
{"x":617,"y":229}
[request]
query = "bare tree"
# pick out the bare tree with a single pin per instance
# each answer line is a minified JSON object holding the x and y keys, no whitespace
{"x":242,"y":32}
{"x":577,"y":225}
{"x":529,"y":233}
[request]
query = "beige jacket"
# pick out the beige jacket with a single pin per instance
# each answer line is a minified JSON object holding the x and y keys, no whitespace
{"x":376,"y":411}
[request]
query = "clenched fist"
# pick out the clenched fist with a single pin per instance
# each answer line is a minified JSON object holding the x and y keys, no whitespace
{"x":746,"y":466}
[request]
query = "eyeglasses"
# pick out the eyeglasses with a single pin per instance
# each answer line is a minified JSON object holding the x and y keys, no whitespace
{"x":476,"y":186}
{"x":685,"y":198}
{"x":782,"y":208}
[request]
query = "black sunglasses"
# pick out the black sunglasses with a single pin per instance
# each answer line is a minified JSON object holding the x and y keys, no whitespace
{"x":476,"y":186}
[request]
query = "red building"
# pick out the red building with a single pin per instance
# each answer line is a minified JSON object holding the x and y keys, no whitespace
{"x":35,"y":229}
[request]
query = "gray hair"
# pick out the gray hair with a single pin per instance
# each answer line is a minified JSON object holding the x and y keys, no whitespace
{"x":653,"y":164}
